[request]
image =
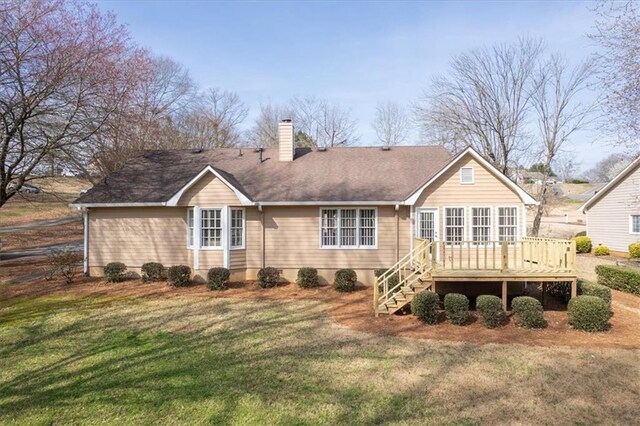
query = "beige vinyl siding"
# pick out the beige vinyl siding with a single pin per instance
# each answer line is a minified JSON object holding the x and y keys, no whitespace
{"x":253,"y":238}
{"x":209,"y":191}
{"x":486,"y":191}
{"x":608,"y":217}
{"x":138,"y":235}
{"x":238,"y":259}
{"x":292,"y":240}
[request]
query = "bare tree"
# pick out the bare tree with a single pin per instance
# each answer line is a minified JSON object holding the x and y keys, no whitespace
{"x":559,"y":114}
{"x":391,"y":124}
{"x":567,"y":166}
{"x":326,"y":124}
{"x":148,"y":118}
{"x":483,"y":102}
{"x":224,"y":112}
{"x":607,"y":168}
{"x":65,"y":69}
{"x":617,"y":31}
{"x":264,"y":133}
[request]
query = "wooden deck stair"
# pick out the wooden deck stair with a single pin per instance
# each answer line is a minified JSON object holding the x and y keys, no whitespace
{"x":413,"y":274}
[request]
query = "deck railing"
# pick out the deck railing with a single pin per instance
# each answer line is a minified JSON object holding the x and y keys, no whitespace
{"x":527,"y":253}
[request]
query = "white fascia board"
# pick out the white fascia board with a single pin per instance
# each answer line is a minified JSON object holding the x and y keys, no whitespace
{"x":173,"y":201}
{"x":524,"y":196}
{"x":330,"y":203}
{"x":90,"y":205}
{"x":595,"y":197}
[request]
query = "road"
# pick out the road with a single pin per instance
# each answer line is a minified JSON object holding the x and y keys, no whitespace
{"x":42,"y":224}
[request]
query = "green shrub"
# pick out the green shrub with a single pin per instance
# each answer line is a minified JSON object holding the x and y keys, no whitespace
{"x":152,"y":271}
{"x":601,"y":251}
{"x":561,"y":290}
{"x":588,"y":313}
{"x":634,"y":250}
{"x":268,"y":277}
{"x":392,"y":281}
{"x":308,"y":277}
{"x":425,"y":306}
{"x":587,"y":288}
{"x":179,"y":276}
{"x":218,"y":278}
{"x":528,"y":312}
{"x":578,"y":181}
{"x":379,"y":271}
{"x":490,"y":307}
{"x":619,"y":278}
{"x":115,"y":272}
{"x":583,"y":244}
{"x":581,"y":234}
{"x":345,"y":280}
{"x":457,"y":308}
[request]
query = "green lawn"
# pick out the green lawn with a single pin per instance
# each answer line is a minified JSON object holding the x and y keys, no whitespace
{"x":221,"y":361}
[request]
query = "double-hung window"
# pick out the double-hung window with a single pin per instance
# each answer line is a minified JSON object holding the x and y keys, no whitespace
{"x":190,"y":227}
{"x":635,"y":224}
{"x":454,"y":225}
{"x":480,"y":223}
{"x":347,"y":228}
{"x":211,"y":228}
{"x":237,"y":228}
{"x":507,"y":223}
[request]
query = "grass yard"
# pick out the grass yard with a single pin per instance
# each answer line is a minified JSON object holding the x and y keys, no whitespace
{"x":68,"y":359}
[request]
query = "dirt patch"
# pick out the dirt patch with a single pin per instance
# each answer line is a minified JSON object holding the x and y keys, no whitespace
{"x":42,"y":237}
{"x":355,"y":310}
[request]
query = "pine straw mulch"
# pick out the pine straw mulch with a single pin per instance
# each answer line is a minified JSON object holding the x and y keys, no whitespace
{"x":355,"y":310}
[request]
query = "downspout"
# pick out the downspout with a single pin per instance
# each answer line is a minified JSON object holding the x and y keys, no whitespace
{"x":396,"y":209}
{"x":85,"y":257}
{"x":262,"y":236}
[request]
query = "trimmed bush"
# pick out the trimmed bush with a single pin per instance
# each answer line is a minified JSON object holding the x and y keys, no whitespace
{"x":179,"y":276}
{"x":218,"y":278}
{"x":581,"y":234}
{"x":115,"y":272}
{"x":583,"y":244}
{"x":345,"y":280}
{"x":457,"y":308}
{"x":308,"y":277}
{"x":528,"y":312}
{"x":392,"y":281}
{"x":587,"y":288}
{"x":152,"y":271}
{"x":619,"y":278}
{"x":268,"y":277}
{"x":588,"y":313}
{"x":425,"y":306}
{"x":561,"y":290}
{"x":634,"y":250}
{"x":380,"y":271}
{"x":490,"y":307}
{"x":601,"y":251}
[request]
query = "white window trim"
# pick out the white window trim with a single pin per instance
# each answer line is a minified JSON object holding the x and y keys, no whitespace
{"x":491,"y":221}
{"x":518,"y":220}
{"x":338,"y":246}
{"x":244,"y":228}
{"x":222,"y":229}
{"x":465,"y":225}
{"x":631,"y":224}
{"x":473,"y":175}
{"x":191,"y":210}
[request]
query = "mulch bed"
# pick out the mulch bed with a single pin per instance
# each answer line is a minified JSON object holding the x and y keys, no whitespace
{"x":355,"y":311}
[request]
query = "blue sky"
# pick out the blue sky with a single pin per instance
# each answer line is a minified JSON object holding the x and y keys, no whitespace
{"x":353,"y":53}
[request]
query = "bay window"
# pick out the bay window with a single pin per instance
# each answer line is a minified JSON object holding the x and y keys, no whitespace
{"x":237,"y":228}
{"x":348,"y":228}
{"x":211,"y":228}
{"x":215,"y":227}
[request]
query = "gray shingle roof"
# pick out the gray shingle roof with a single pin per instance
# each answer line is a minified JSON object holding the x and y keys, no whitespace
{"x":337,"y":174}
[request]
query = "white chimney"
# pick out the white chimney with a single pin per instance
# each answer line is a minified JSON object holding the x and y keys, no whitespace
{"x":285,"y":140}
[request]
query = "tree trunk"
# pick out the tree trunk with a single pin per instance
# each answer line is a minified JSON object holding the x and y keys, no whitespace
{"x":535,"y":229}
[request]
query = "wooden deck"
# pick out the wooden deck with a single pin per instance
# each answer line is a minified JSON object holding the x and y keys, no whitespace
{"x":430,"y":262}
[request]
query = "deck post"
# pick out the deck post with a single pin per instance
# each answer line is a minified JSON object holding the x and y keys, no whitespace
{"x":375,"y":296}
{"x":504,"y":295}
{"x":574,"y":288}
{"x":505,"y":255}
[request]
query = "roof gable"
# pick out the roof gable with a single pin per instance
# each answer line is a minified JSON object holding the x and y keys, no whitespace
{"x":605,"y":190}
{"x":524,"y":195}
{"x":214,"y":191}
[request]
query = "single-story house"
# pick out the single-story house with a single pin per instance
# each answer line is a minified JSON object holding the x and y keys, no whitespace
{"x":288,"y":207}
{"x":613,"y":213}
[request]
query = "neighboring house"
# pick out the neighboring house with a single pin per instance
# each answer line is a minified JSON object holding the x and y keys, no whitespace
{"x":535,"y":178}
{"x":613,"y":213}
{"x":287,"y":207}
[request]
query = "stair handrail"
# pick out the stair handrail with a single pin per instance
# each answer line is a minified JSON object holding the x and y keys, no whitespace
{"x":419,"y":258}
